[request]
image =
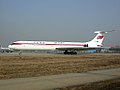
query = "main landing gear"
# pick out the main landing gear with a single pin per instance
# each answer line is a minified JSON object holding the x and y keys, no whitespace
{"x":70,"y":52}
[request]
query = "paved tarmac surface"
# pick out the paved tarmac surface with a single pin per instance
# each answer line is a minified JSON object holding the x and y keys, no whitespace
{"x":58,"y":81}
{"x":52,"y":54}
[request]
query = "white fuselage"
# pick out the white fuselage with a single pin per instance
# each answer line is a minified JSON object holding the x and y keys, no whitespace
{"x":43,"y":45}
{"x":53,"y":45}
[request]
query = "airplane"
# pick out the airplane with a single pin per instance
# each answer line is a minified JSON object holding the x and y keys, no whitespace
{"x":67,"y":47}
{"x":2,"y":49}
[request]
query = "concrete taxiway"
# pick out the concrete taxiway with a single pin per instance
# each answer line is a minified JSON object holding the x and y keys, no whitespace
{"x":58,"y":81}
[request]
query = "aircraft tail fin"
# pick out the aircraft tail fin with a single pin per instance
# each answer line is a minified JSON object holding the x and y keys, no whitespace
{"x":98,"y":39}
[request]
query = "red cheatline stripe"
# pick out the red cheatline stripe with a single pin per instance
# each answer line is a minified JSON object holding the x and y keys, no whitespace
{"x":50,"y":44}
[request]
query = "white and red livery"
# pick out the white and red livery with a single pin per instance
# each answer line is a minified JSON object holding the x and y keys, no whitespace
{"x":68,"y":47}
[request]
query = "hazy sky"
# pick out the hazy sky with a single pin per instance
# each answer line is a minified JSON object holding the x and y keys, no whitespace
{"x":61,"y":20}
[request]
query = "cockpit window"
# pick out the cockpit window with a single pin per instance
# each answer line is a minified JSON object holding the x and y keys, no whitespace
{"x":13,"y":44}
{"x":16,"y":44}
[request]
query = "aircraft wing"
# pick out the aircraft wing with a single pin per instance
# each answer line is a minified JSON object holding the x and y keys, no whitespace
{"x":81,"y":48}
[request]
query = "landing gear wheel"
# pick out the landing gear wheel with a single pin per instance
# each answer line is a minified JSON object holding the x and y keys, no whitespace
{"x":71,"y":52}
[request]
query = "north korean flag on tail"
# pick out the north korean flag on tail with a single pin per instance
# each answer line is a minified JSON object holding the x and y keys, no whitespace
{"x":100,"y":37}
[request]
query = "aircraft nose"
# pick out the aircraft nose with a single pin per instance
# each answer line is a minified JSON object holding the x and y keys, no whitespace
{"x":10,"y":46}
